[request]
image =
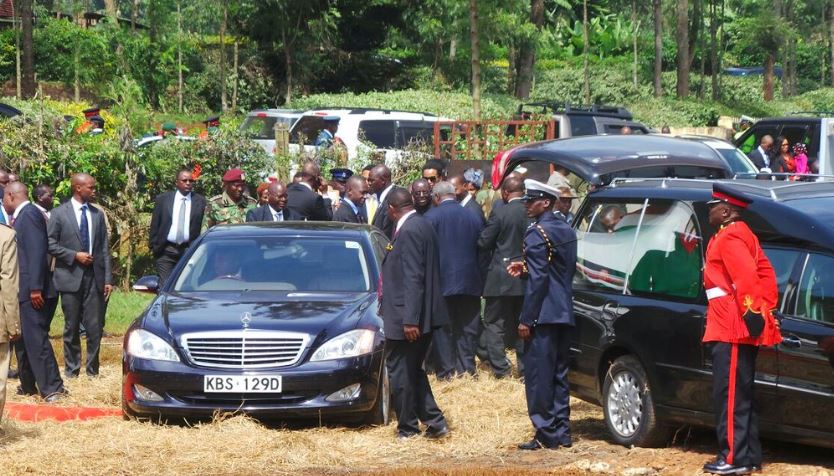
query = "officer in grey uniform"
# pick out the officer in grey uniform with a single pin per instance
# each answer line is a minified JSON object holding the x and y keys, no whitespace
{"x":546,"y":322}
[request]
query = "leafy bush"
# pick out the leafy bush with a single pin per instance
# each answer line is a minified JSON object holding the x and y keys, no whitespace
{"x":456,"y":105}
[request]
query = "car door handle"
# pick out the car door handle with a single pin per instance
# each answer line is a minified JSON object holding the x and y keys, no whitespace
{"x":791,"y":341}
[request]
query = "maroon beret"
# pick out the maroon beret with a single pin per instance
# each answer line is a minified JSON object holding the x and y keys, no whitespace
{"x":234,"y":175}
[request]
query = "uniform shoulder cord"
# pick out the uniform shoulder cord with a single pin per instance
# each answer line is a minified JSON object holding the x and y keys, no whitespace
{"x":547,"y":243}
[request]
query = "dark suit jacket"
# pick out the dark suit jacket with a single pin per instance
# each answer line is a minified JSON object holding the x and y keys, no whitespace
{"x":548,"y":296}
{"x":264,"y":213}
{"x":381,"y":219}
{"x":758,"y":159}
{"x":65,"y":242}
{"x":457,"y":231}
{"x":307,"y":204}
{"x":411,"y":291}
{"x":345,"y":213}
{"x":32,"y":256}
{"x":161,"y":219}
{"x":473,"y":205}
{"x":502,"y":239}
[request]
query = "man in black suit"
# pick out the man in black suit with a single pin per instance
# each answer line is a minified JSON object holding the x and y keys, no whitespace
{"x":275,"y":208}
{"x":303,"y":199}
{"x":465,"y":199}
{"x":761,"y":154}
{"x":461,"y":282}
{"x":78,"y":241}
{"x":175,"y":223}
{"x":412,"y":307}
{"x":352,"y":209}
{"x":36,"y":360}
{"x":379,"y":181}
{"x":502,"y":239}
{"x":44,"y":196}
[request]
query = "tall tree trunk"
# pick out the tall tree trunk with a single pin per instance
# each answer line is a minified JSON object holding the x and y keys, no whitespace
{"x":112,"y":9}
{"x":134,"y":15}
{"x":287,"y":67}
{"x":682,"y":12}
{"x":635,"y":25}
{"x":223,"y":102}
{"x":17,"y":59}
{"x":831,"y":37}
{"x":476,"y":58}
{"x":657,"y":6}
{"x":179,"y":57}
{"x":713,"y":51}
{"x":76,"y":66}
{"x":153,"y":36}
{"x":235,"y":58}
{"x":513,"y":66}
{"x":527,"y":55}
{"x":453,"y":47}
{"x":722,"y":45}
{"x":767,"y":85}
{"x":586,"y":85}
{"x":695,"y":29}
{"x":28,"y":74}
{"x":702,"y":48}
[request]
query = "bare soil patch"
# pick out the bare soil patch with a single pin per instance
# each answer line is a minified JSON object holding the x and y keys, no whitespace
{"x":487,"y":416}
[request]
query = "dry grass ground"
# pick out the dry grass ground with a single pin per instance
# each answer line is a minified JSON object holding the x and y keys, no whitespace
{"x":487,"y":418}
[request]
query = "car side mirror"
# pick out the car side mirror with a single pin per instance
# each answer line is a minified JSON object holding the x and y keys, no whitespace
{"x":147,"y":284}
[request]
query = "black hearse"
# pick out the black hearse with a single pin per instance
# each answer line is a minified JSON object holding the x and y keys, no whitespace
{"x":640,"y":307}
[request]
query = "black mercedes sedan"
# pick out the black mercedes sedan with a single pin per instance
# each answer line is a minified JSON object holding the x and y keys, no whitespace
{"x":275,"y":320}
{"x":640,"y":307}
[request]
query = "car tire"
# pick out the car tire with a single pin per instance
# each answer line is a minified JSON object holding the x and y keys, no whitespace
{"x":380,"y":414}
{"x":628,"y":405}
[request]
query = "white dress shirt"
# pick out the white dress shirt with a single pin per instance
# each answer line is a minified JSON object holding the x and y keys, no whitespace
{"x":76,"y":207}
{"x":46,"y":213}
{"x":385,"y":193}
{"x":18,"y":209}
{"x":402,"y":220}
{"x":175,"y":216}
{"x":276,"y":215}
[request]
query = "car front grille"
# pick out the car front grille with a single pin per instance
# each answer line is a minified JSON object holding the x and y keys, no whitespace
{"x":244,"y":349}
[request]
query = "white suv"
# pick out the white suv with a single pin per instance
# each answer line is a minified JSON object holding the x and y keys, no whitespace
{"x":260,"y":125}
{"x":389,"y":131}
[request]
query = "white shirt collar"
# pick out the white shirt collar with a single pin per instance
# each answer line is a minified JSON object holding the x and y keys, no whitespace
{"x":306,"y":185}
{"x":19,"y":207}
{"x":465,"y":199}
{"x":403,"y":219}
{"x":76,"y":205}
{"x":180,"y":196}
{"x":385,"y":193}
{"x":513,"y":199}
{"x":274,"y":211}
{"x":42,"y":209}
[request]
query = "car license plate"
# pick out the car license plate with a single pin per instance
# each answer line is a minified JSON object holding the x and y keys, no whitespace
{"x":242,"y":384}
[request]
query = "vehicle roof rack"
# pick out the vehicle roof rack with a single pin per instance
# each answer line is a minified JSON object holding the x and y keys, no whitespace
{"x":557,"y":107}
{"x":812,"y":113}
{"x":363,"y":110}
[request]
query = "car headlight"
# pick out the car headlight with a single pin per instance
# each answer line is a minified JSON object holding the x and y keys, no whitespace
{"x":144,"y":345}
{"x":350,"y":344}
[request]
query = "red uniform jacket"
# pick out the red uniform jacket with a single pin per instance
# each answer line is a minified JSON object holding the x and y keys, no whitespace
{"x":737,"y":265}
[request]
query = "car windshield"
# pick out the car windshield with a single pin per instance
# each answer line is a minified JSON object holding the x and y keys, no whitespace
{"x":276,"y":264}
{"x":263,"y":127}
{"x":738,"y":162}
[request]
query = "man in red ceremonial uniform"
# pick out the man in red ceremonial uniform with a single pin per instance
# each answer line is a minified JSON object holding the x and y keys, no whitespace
{"x":742,"y":293}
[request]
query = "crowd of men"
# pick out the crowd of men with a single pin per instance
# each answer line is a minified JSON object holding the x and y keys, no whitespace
{"x":444,"y":256}
{"x":46,"y":254}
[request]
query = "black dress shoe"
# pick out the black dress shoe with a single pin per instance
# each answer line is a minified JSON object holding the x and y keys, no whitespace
{"x":531,"y":445}
{"x":24,"y":393}
{"x":720,"y":466}
{"x":437,"y":432}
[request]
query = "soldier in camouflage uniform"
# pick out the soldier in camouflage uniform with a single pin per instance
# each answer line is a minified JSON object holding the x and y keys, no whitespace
{"x":232,"y":205}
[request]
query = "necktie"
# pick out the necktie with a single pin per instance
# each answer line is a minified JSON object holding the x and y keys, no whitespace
{"x":279,"y":216}
{"x":181,"y":223}
{"x":84,"y":228}
{"x":11,"y":220}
